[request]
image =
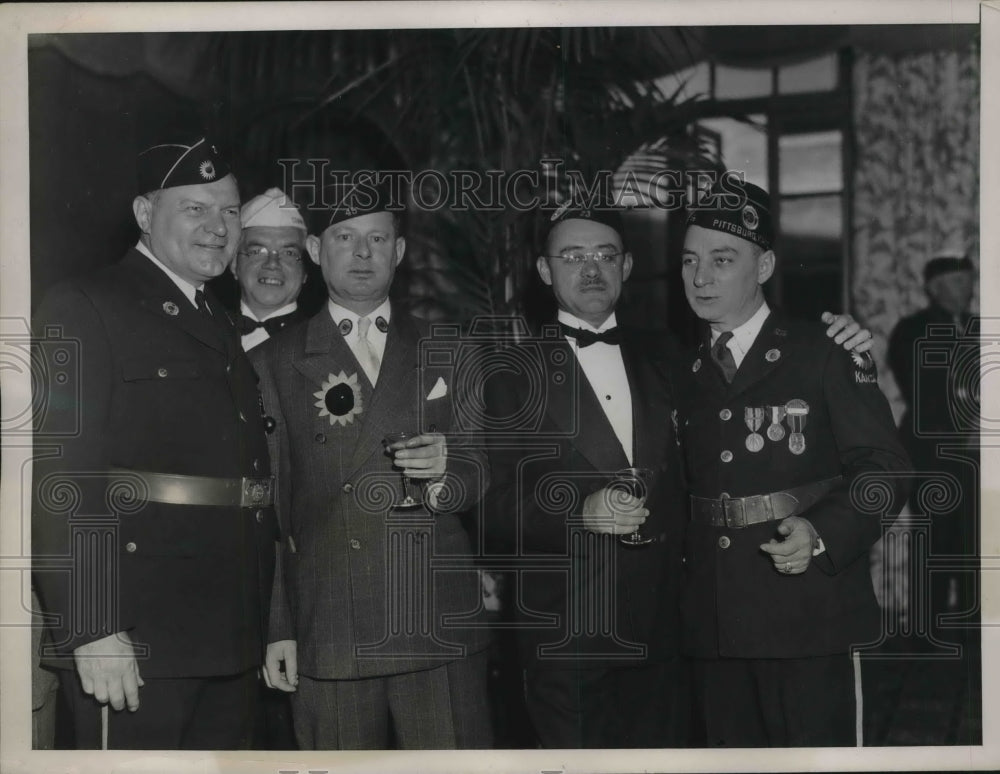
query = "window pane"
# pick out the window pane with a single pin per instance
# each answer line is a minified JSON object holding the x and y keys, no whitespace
{"x":738,"y":82}
{"x":743,"y":146}
{"x":814,"y":75}
{"x":810,"y":163}
{"x":695,"y":80}
{"x":815,"y":216}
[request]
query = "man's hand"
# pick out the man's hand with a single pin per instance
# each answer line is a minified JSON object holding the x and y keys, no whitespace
{"x":278,"y":652}
{"x":108,"y":670}
{"x":423,"y":456}
{"x":613,"y":511}
{"x":791,"y":555}
{"x":846,"y":332}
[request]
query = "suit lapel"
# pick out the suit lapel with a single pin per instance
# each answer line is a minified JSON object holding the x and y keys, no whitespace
{"x":770,"y":349}
{"x":393,"y":400}
{"x":160,"y":296}
{"x":573,"y":406}
{"x":325,"y":351}
{"x":651,"y":429}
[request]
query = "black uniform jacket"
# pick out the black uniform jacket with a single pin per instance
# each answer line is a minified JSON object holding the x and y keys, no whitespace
{"x":581,"y":599}
{"x":132,"y":376}
{"x":735,"y":603}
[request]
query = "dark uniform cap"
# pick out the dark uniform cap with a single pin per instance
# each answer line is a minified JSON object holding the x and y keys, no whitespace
{"x":354,"y":199}
{"x":176,"y":164}
{"x":945,"y":264}
{"x":737,"y":208}
{"x":608,"y":214}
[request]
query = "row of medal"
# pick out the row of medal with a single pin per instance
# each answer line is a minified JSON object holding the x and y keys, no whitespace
{"x":793,"y":413}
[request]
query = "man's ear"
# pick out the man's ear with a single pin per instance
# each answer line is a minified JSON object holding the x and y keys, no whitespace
{"x":626,"y":266}
{"x":765,"y":266}
{"x":312,"y":247}
{"x":543,"y":270}
{"x":142,"y":209}
{"x":400,"y":249}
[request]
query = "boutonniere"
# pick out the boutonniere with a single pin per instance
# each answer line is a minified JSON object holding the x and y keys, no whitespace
{"x":339,"y":398}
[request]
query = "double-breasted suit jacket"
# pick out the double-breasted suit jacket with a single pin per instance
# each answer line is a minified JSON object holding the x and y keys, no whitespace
{"x":584,"y":600}
{"x":138,"y":379}
{"x":361,"y":592}
{"x":819,"y":414}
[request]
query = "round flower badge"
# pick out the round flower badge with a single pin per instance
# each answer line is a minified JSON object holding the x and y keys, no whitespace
{"x":339,"y":398}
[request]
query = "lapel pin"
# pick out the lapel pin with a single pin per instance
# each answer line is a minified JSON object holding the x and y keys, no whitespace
{"x":695,"y":366}
{"x":345,"y":327}
{"x":381,"y":324}
{"x":780,"y":332}
{"x":772,"y":355}
{"x":170,"y":308}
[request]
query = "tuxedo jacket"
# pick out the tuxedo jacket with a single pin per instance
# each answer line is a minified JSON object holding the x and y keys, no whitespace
{"x":365,"y":590}
{"x":735,"y":603}
{"x":134,"y":377}
{"x":581,"y":599}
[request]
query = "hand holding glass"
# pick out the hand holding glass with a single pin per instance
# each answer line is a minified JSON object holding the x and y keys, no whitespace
{"x":634,"y":482}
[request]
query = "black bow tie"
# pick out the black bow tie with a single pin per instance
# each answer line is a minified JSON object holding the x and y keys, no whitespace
{"x":272,"y":324}
{"x":586,"y":338}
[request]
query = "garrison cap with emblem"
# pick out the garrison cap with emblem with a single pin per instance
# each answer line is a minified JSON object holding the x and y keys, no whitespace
{"x":607,"y":213}
{"x":737,"y":208}
{"x":169,"y":165}
{"x":345,"y":200}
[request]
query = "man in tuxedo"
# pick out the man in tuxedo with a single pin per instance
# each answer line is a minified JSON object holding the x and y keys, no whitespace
{"x":269,"y":266}
{"x":375,"y":607}
{"x":596,"y":618}
{"x":153,"y":527}
{"x":793,"y":462}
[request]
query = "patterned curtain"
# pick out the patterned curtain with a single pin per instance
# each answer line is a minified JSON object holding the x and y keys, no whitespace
{"x":916,"y":180}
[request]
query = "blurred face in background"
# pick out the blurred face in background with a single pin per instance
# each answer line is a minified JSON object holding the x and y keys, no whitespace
{"x":951,"y":291}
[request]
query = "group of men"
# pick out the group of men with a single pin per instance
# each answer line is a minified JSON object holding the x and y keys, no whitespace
{"x":236,"y":518}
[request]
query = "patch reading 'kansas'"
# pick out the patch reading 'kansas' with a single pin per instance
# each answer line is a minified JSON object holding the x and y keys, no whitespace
{"x":864,"y":368}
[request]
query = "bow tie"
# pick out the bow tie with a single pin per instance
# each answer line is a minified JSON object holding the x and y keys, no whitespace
{"x":272,"y":324}
{"x":586,"y":338}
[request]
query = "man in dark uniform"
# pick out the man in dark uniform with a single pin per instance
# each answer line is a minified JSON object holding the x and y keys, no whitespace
{"x":375,"y":642}
{"x":269,"y":266}
{"x":597,"y":618}
{"x":777,"y":425}
{"x":934,"y":355}
{"x":154,"y":535}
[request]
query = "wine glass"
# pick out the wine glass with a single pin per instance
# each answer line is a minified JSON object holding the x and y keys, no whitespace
{"x":635,"y":482}
{"x":401,"y":437}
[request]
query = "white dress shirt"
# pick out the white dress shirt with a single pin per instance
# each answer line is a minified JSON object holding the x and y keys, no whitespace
{"x":745,"y":335}
{"x":185,"y":287}
{"x":260,"y":335}
{"x":604,"y":368}
{"x":376,"y":338}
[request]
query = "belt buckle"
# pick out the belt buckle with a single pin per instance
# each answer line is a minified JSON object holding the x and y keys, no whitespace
{"x":736,"y":519}
{"x":256,"y":492}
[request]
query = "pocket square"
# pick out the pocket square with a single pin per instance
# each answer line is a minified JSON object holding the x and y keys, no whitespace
{"x":439,"y":390}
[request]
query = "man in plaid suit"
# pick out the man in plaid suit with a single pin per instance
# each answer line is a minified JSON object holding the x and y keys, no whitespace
{"x":378,"y":640}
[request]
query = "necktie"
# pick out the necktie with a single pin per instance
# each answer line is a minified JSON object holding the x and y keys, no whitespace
{"x":365,"y":352}
{"x":723,"y":357}
{"x":201,"y":302}
{"x":272,"y":324}
{"x":586,"y":338}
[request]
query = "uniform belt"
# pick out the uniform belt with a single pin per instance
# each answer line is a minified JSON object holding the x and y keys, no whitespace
{"x":738,"y":512}
{"x":175,"y":489}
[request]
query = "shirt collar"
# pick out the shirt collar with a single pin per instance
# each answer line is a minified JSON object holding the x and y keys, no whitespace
{"x":566,"y":318}
{"x":183,"y":285}
{"x":286,"y":309}
{"x":340,"y":313}
{"x":745,"y":335}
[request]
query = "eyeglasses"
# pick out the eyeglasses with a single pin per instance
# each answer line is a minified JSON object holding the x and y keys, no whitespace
{"x":600,"y":256}
{"x":286,"y":255}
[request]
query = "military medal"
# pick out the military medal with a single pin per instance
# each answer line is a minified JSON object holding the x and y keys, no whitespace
{"x":776,"y":430}
{"x":754,"y":418}
{"x":796,"y":411}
